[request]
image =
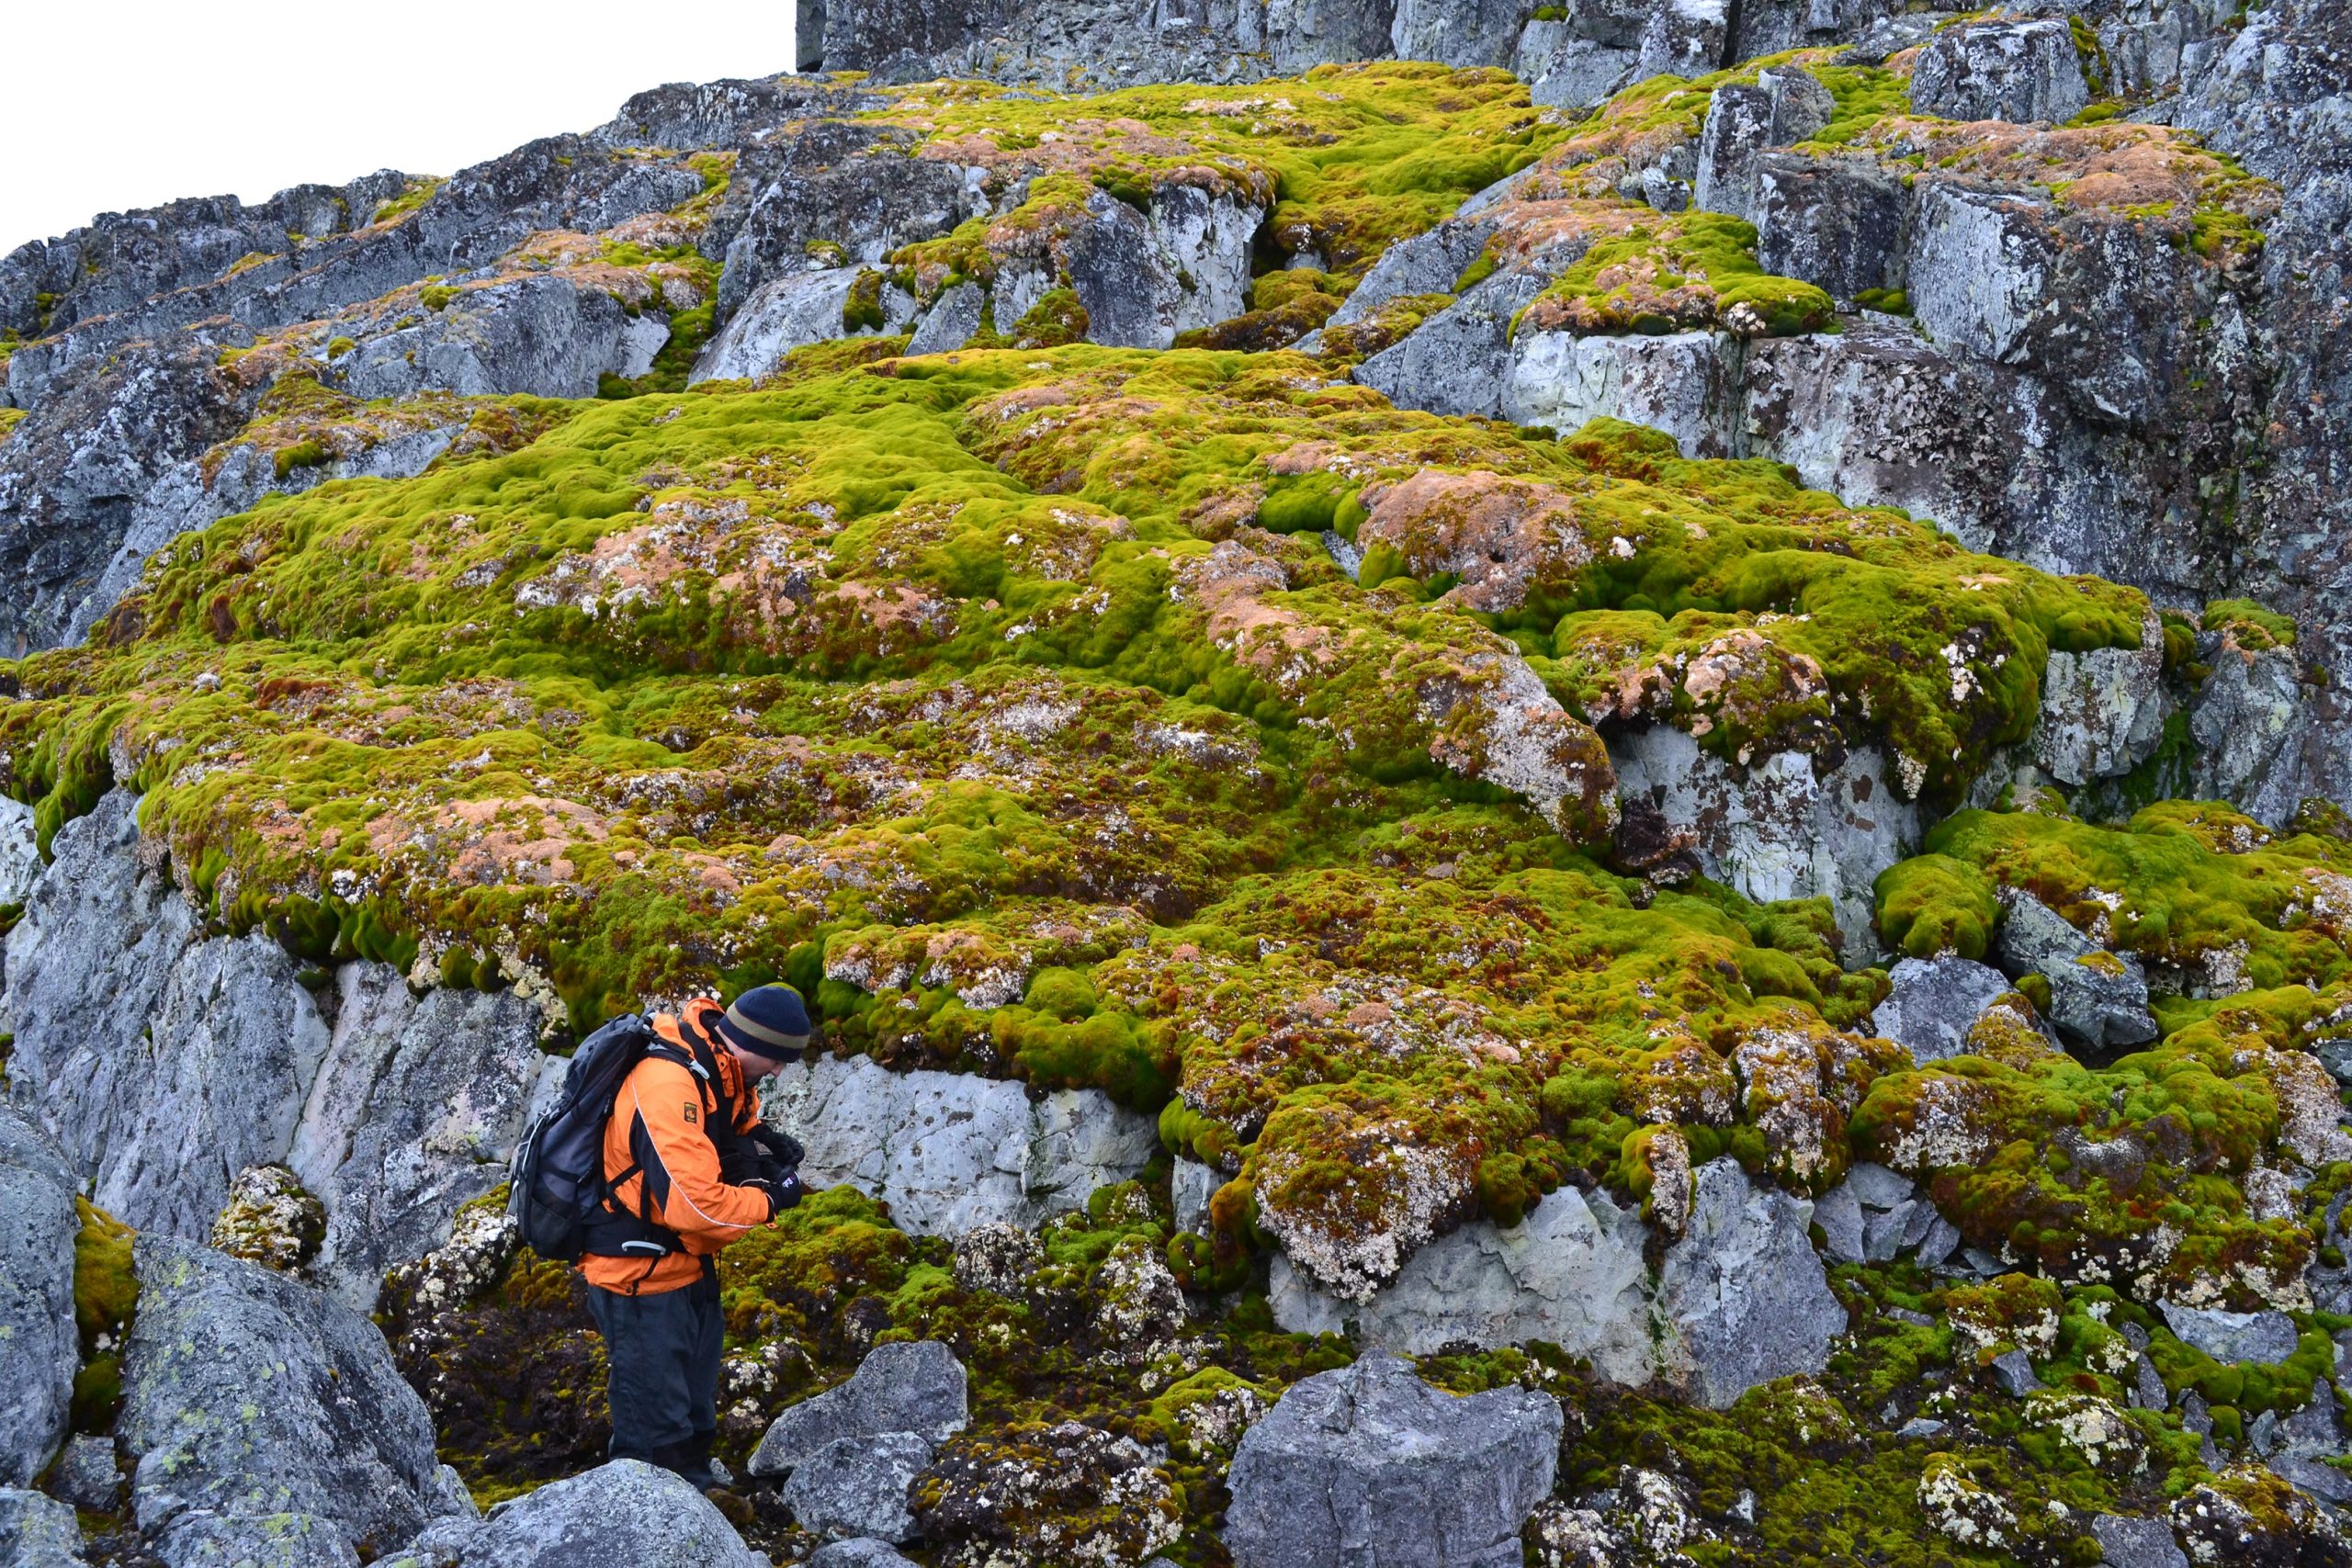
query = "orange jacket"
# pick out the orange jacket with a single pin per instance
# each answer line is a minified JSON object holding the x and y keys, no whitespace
{"x":657,"y":1138}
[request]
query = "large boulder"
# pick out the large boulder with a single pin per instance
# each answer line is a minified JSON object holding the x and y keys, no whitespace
{"x":907,"y":1386}
{"x":2251,"y":717}
{"x":1431,"y":262}
{"x":40,"y":1348}
{"x":1743,"y":1294}
{"x":256,"y":1409}
{"x":1932,"y":1003}
{"x":1370,"y":1467}
{"x":1571,"y":1273}
{"x":858,"y":1487}
{"x":2265,"y":1337}
{"x":2028,"y":72}
{"x":2102,"y":712}
{"x":1683,"y":383}
{"x":2096,"y":996}
{"x":1685,"y":38}
{"x":1980,"y":268}
{"x":951,"y":1152}
{"x":1744,"y":121}
{"x":626,"y":1513}
{"x":1835,"y":222}
{"x":1563,"y":67}
{"x":1458,"y":361}
{"x":799,"y":309}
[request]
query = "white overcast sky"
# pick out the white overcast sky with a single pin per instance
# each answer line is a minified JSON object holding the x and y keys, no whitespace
{"x":246,"y":97}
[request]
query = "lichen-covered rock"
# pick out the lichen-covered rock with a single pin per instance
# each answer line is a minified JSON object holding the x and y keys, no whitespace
{"x":799,"y":309}
{"x":2103,"y":712}
{"x":625,"y":1514}
{"x":864,"y":1552}
{"x":20,"y":862}
{"x":2023,"y":70}
{"x":916,"y":1386}
{"x":251,"y":1400}
{"x":1682,"y":383}
{"x":1070,"y":1493}
{"x":1743,"y":1295}
{"x":270,"y":1220}
{"x":858,"y":1485}
{"x":38,"y":1531}
{"x":40,"y":1349}
{"x":1685,"y":38}
{"x":2251,"y":717}
{"x":950,"y":1152}
{"x":1932,"y":1003}
{"x":2095,"y":995}
{"x":2264,"y":1337}
{"x":1835,"y":222}
{"x":949,"y":322}
{"x":2126,"y":1540}
{"x":1566,"y":68}
{"x":548,"y":337}
{"x":1370,"y":1465}
{"x":1457,"y":361}
{"x":1571,"y":1273}
{"x":1481,"y":32}
{"x":1191,"y":1185}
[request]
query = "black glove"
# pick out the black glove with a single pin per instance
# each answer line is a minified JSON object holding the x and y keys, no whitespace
{"x":781,"y":1146}
{"x":782,"y":1187}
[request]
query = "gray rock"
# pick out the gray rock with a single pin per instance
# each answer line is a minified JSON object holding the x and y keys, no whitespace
{"x":2265,"y":1337}
{"x":1565,"y":70}
{"x":40,"y":1348}
{"x":858,"y":1487}
{"x":2127,"y":1541}
{"x":1459,"y":32}
{"x":1941,"y":1240}
{"x":914,"y":1387}
{"x":1571,"y":1273}
{"x":2102,"y":712}
{"x":20,"y":862}
{"x":1981,"y":270}
{"x":1683,"y":383}
{"x":622,"y":1515}
{"x":249,"y":1397}
{"x":1738,"y":128}
{"x":1920,"y":1426}
{"x":2028,"y":72}
{"x":793,"y":312}
{"x":1780,"y":828}
{"x":2251,"y":718}
{"x":87,"y":1476}
{"x":1458,"y":361}
{"x":2013,"y":1369}
{"x":1932,"y":1003}
{"x":543,"y":336}
{"x":1429,"y":263}
{"x":2299,"y":1448}
{"x":950,"y":321}
{"x":1839,"y":1214}
{"x":1835,"y":222}
{"x":861,"y":1553}
{"x":2148,"y":1391}
{"x":1191,"y":1185}
{"x":399,"y":1132}
{"x":2096,"y":996}
{"x":951,"y":1152}
{"x":38,"y":1531}
{"x":1685,"y":38}
{"x":1371,"y":1468}
{"x":1743,"y":1294}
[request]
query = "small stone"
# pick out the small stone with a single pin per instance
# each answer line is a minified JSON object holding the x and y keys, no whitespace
{"x":270,"y":1220}
{"x":2096,"y":996}
{"x":2265,"y":1337}
{"x":2126,"y":1541}
{"x":1937,"y":1244}
{"x":2013,"y":1369}
{"x":997,"y":1257}
{"x":2148,"y":1391}
{"x":87,"y":1476}
{"x":858,"y":1487}
{"x":1877,"y":1187}
{"x":862,"y":1552}
{"x":1920,"y":1426}
{"x":1839,"y":1214}
{"x":916,"y":1386}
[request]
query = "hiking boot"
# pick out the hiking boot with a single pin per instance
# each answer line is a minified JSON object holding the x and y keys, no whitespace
{"x":695,"y":1468}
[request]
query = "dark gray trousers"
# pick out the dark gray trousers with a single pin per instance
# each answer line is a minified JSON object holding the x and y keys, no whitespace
{"x":663,"y":1356}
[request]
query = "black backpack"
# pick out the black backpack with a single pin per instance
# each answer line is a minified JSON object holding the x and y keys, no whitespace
{"x":558,"y":1180}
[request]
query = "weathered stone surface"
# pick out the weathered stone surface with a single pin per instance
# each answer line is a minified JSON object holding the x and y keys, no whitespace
{"x":2128,"y":1541}
{"x":2265,"y":1337}
{"x":1191,"y":1185}
{"x":1458,"y":361}
{"x":1429,"y":263}
{"x":1738,"y":128}
{"x":793,"y":312}
{"x":2251,"y":718}
{"x":949,"y":1151}
{"x":1565,"y":69}
{"x":40,"y":1349}
{"x":545,"y":336}
{"x":1743,"y":1294}
{"x":2027,"y":71}
{"x":1459,"y":32}
{"x":38,"y":1531}
{"x":864,"y":1552}
{"x":1685,"y":38}
{"x":1979,"y":270}
{"x":249,"y":1397}
{"x":1786,"y":829}
{"x":20,"y":862}
{"x":1684,"y":383}
{"x":1872,"y":1215}
{"x":1835,"y":222}
{"x":87,"y":1476}
{"x":1933,"y":1003}
{"x":916,"y":1386}
{"x":1370,"y":1467}
{"x":858,"y":1487}
{"x":2096,"y":996}
{"x":950,"y":321}
{"x":622,"y":1515}
{"x":413,"y":1112}
{"x":2102,"y":712}
{"x":1571,"y":1273}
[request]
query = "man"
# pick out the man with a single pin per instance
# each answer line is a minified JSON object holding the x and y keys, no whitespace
{"x":690,"y":1168}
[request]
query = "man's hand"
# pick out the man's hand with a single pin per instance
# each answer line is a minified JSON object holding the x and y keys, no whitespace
{"x":783,"y":1188}
{"x":781,"y":1146}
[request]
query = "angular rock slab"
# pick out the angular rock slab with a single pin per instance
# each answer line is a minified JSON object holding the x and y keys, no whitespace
{"x":916,"y":1387}
{"x":2102,"y":712}
{"x":1681,"y":383}
{"x":38,"y":1531}
{"x":2265,"y":1337}
{"x":2095,"y":995}
{"x":1370,"y":1467}
{"x":20,"y":862}
{"x":950,"y":1152}
{"x":1743,"y":1294}
{"x":40,"y":1348}
{"x":2025,"y":72}
{"x":254,"y":1406}
{"x":858,"y":1487}
{"x":1932,"y":1003}
{"x":626,"y":1513}
{"x":1458,"y":361}
{"x":1570,"y":1273}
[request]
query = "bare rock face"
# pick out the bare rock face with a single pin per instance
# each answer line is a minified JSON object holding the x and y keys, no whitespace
{"x":1743,"y":1292}
{"x":38,"y":1531}
{"x":2102,"y":712}
{"x":1483,"y":32}
{"x":1371,"y":1466}
{"x":1683,"y":383}
{"x":2251,"y":718}
{"x":916,"y":1387}
{"x":39,"y":1348}
{"x":796,"y":310}
{"x":1457,"y":361}
{"x":546,"y":336}
{"x":2027,"y":71}
{"x":1934,"y":1002}
{"x":1835,"y":222}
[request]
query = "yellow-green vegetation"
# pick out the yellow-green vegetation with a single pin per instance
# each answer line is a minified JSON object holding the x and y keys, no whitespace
{"x":1664,"y":275}
{"x":106,"y":1298}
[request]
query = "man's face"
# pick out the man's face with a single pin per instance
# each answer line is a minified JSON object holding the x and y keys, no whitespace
{"x":754,"y":1068}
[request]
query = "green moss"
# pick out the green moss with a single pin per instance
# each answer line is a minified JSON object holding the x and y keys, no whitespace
{"x":1671,"y":274}
{"x":106,"y":1299}
{"x":2254,"y":627}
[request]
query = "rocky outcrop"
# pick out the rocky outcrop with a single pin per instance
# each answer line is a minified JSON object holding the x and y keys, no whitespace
{"x":1932,"y":1003}
{"x":1371,"y":1466}
{"x":2251,"y":718}
{"x":1875,"y":1214}
{"x":1682,"y":383}
{"x":549,"y":336}
{"x":37,"y":1531}
{"x":951,"y":1152}
{"x":799,"y":309}
{"x":1784,"y":827}
{"x":2025,"y":70}
{"x":1458,"y":361}
{"x":2097,"y":997}
{"x":256,"y":1410}
{"x":2266,"y":1337}
{"x":40,"y":1348}
{"x":2102,"y":712}
{"x":915,"y":1387}
{"x":625,"y":1515}
{"x":1743,"y":1293}
{"x":20,"y":862}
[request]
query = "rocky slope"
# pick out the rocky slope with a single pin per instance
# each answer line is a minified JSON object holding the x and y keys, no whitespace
{"x":1621,"y":708}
